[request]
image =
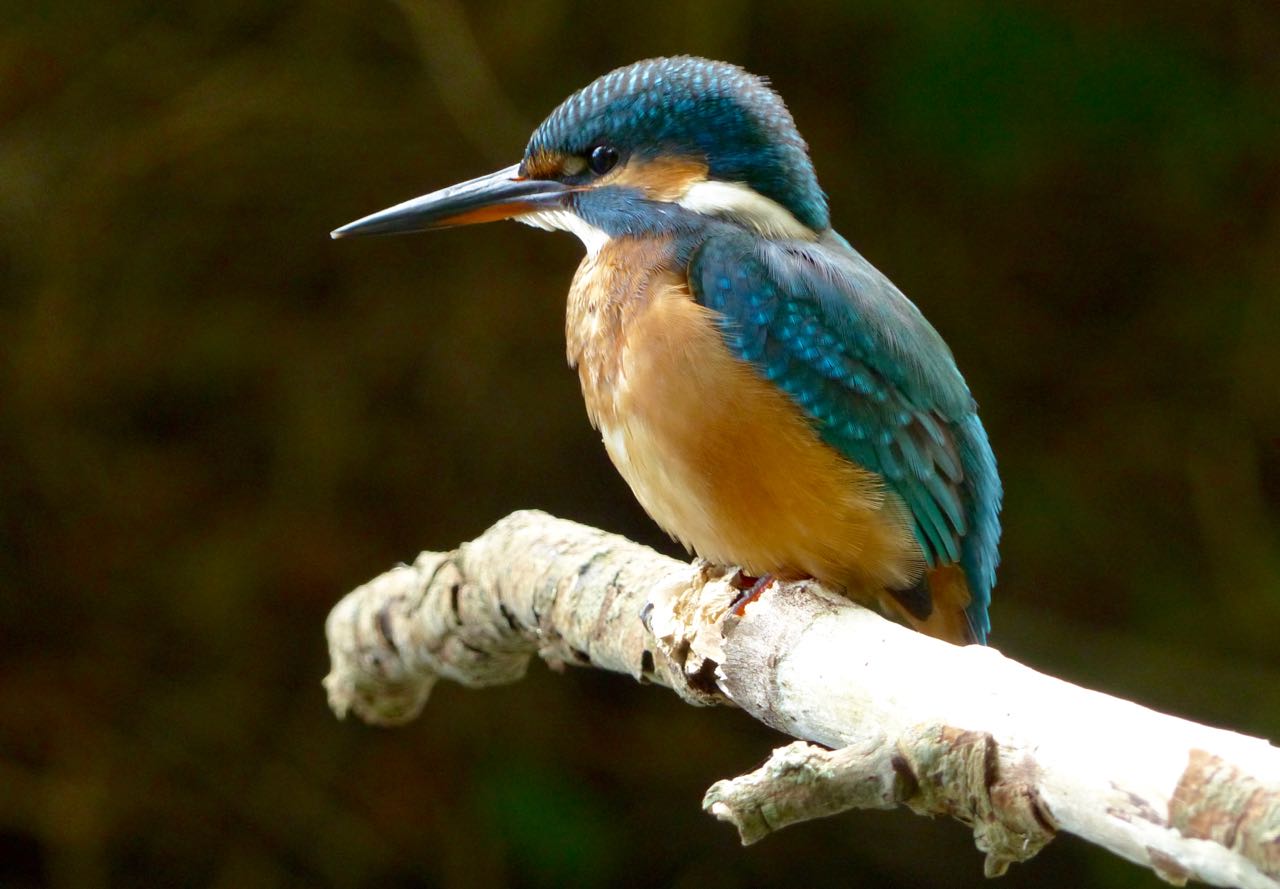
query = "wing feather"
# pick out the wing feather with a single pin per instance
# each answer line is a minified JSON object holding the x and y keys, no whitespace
{"x":874,"y":377}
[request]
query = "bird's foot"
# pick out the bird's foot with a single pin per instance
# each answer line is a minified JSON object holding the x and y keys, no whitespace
{"x":749,"y":589}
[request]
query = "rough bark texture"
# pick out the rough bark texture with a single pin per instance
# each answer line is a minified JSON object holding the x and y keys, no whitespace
{"x":909,"y":720}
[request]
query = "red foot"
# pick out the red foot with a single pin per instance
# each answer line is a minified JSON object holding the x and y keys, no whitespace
{"x":751,"y":593}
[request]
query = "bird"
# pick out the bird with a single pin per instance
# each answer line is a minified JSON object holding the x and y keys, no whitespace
{"x":774,"y":402}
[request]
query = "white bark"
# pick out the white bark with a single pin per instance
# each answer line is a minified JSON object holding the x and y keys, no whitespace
{"x":964,"y":732}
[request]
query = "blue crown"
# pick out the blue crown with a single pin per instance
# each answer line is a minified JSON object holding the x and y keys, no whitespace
{"x":696,"y":107}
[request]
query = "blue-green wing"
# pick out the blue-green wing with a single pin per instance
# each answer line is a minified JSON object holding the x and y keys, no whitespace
{"x":878,"y":382}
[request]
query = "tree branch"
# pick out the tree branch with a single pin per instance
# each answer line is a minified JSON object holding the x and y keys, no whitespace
{"x":963,"y":732}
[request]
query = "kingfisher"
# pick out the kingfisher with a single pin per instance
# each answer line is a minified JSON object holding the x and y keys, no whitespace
{"x":774,"y":402}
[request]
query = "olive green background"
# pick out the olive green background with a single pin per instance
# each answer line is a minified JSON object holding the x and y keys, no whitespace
{"x":214,"y":421}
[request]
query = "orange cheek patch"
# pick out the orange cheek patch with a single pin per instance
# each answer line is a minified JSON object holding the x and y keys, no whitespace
{"x":543,"y":166}
{"x":663,"y":178}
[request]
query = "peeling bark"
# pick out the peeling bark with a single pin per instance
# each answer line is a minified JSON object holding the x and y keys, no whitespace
{"x":1216,"y":801}
{"x":909,"y":720}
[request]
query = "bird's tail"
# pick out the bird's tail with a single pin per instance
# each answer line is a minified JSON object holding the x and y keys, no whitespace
{"x":940,"y":612}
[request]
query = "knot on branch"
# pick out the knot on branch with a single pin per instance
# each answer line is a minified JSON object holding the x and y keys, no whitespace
{"x":949,"y":771}
{"x":933,"y":771}
{"x":686,"y":622}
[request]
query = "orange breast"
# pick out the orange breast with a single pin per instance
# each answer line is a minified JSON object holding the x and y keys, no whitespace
{"x":717,"y":455}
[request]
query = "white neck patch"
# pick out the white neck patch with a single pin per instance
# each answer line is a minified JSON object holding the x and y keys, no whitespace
{"x":741,"y":203}
{"x":566,"y":221}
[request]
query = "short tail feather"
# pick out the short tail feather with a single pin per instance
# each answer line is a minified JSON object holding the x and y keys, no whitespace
{"x":948,"y":596}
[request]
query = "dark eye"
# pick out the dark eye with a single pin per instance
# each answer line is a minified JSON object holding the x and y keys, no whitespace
{"x":602,"y":159}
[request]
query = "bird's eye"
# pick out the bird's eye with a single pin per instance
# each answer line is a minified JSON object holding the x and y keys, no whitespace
{"x":602,"y":159}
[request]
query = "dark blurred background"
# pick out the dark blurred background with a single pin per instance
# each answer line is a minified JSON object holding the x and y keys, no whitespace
{"x":215,"y":421}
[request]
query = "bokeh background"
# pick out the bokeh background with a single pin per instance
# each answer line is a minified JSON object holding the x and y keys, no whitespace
{"x":214,"y":421}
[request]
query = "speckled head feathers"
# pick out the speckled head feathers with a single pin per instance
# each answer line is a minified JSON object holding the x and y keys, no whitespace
{"x":712,"y":111}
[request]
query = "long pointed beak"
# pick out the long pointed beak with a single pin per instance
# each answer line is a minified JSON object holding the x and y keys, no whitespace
{"x":499,"y":195}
